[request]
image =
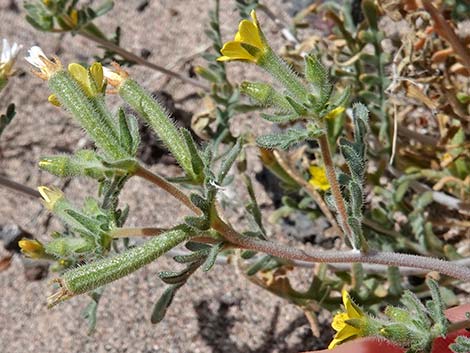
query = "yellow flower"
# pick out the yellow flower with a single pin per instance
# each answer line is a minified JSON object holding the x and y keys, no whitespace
{"x":50,"y":196}
{"x":344,"y":330}
{"x":74,"y":17}
{"x":91,"y":80}
{"x":249,"y":43}
{"x":32,"y":248}
{"x":318,"y":179}
{"x":335,"y":113}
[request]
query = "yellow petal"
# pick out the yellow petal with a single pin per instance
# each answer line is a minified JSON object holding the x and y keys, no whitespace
{"x":335,"y":113}
{"x":334,"y":343}
{"x":319,"y":179}
{"x":96,"y":71}
{"x":79,"y":73}
{"x":254,"y":18}
{"x":339,"y":321}
{"x":50,"y":196}
{"x":31,"y":247}
{"x":74,"y":17}
{"x":346,"y":333}
{"x":248,"y":33}
{"x":234,"y":51}
{"x":352,"y":309}
{"x":53,"y":100}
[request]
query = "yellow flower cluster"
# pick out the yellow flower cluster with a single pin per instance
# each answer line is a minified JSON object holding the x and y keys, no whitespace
{"x":91,"y":80}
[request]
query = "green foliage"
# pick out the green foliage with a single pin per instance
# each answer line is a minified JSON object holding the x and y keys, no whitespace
{"x":308,"y":112}
{"x":461,"y":345}
{"x":63,"y":14}
{"x":6,"y":118}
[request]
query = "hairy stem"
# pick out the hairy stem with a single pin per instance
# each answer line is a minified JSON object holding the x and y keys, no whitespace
{"x":19,"y":187}
{"x":335,"y":189}
{"x":371,"y":257}
{"x":168,"y":187}
{"x":136,"y":232}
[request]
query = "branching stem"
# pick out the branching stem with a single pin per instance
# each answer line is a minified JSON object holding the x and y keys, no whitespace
{"x":137,"y":232}
{"x":371,"y":257}
{"x":19,"y":187}
{"x":168,"y":187}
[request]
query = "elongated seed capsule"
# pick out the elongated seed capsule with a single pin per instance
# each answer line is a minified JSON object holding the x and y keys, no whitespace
{"x":96,"y":124}
{"x":96,"y":274}
{"x":265,"y":95}
{"x":280,"y":71}
{"x":155,"y":115}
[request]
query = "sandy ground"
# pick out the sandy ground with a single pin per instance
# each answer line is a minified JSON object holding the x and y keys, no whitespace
{"x":215,"y":312}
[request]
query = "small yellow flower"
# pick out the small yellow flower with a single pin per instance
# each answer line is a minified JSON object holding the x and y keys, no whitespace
{"x":47,"y":67}
{"x":249,"y":43}
{"x":318,"y":179}
{"x":344,"y":331}
{"x":50,"y":196}
{"x":32,"y":248}
{"x":91,"y":80}
{"x":335,"y":113}
{"x":74,"y":17}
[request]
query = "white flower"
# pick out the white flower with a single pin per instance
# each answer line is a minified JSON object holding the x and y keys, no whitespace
{"x":8,"y":57}
{"x":38,"y":59}
{"x":115,"y":77}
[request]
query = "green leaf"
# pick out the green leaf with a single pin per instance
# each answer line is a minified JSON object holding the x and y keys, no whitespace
{"x":180,"y":277}
{"x":283,"y":140}
{"x":192,"y":257}
{"x":228,"y":161}
{"x":298,"y":108}
{"x":341,"y":100}
{"x":394,"y":279}
{"x":265,"y":95}
{"x":252,"y":206}
{"x":6,"y":118}
{"x":196,"y":160}
{"x":124,"y":131}
{"x":436,"y":307}
{"x":89,"y":313}
{"x":212,"y":257}
{"x":259,"y":265}
{"x":317,"y":74}
{"x":355,"y":161}
{"x":161,"y":306}
{"x":280,"y":119}
{"x":371,"y":13}
{"x":357,"y":198}
{"x":461,"y":345}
